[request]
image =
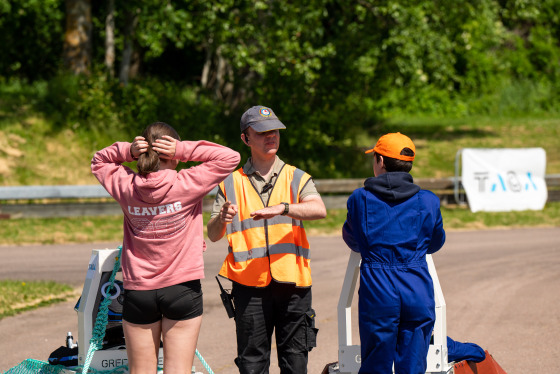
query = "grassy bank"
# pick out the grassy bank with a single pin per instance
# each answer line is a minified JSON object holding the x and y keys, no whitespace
{"x":35,"y":150}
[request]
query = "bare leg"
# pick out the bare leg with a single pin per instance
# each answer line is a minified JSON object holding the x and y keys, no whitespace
{"x":142,"y":346}
{"x":179,"y":344}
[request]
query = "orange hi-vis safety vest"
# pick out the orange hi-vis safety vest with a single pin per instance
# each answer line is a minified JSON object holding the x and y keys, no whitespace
{"x":267,"y":249}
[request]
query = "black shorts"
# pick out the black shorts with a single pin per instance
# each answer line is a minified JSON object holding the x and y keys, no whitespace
{"x":179,"y":302}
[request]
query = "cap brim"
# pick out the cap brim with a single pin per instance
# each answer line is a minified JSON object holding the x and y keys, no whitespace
{"x":267,"y":125}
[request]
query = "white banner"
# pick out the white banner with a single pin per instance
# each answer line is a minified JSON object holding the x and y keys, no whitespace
{"x":501,"y":180}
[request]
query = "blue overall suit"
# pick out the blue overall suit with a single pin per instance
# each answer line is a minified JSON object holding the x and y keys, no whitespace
{"x":393,"y":224}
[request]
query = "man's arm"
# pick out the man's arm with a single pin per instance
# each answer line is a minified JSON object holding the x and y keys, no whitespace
{"x":216,"y":227}
{"x":310,"y":208}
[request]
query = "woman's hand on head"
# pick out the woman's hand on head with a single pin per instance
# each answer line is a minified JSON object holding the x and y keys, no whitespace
{"x":165,"y":146}
{"x":139,"y":145}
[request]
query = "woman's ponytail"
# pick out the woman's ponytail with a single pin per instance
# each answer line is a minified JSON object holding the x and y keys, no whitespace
{"x":148,"y":162}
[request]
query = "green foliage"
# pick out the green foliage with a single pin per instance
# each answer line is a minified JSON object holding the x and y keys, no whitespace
{"x":99,"y":104}
{"x":335,"y":72}
{"x":16,"y":94}
{"x":31,"y":38}
{"x":62,"y":99}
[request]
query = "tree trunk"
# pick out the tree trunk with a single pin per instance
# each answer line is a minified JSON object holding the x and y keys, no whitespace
{"x":220,"y":72}
{"x":135,"y":62}
{"x":128,"y":50}
{"x":77,"y":38}
{"x":110,"y":38}
{"x":205,"y":77}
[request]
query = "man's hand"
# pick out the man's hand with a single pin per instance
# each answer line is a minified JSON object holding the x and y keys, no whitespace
{"x":227,"y":212}
{"x":216,"y":227}
{"x":139,"y":145}
{"x":165,"y":147}
{"x":268,"y":212}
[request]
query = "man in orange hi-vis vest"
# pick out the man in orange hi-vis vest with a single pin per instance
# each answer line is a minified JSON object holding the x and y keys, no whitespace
{"x":261,"y":207}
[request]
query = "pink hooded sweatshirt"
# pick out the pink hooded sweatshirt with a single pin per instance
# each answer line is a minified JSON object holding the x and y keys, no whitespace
{"x":163,"y":238}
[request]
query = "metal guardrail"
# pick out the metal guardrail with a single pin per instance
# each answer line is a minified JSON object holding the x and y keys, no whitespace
{"x":324,"y":186}
{"x":53,"y":192}
{"x":57,"y":192}
{"x":72,"y":200}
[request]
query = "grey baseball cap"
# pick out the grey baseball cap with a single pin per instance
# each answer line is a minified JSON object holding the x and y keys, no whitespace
{"x":261,"y":119}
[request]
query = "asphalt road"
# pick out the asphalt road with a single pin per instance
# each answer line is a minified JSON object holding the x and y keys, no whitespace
{"x":501,"y":287}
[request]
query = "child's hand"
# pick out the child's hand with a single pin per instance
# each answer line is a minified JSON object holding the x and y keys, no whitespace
{"x":138,"y":146}
{"x":165,"y":147}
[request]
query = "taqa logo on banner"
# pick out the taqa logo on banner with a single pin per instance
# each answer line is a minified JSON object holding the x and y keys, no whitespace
{"x":500,"y":180}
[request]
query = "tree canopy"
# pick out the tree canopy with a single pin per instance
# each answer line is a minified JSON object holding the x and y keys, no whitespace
{"x":332,"y":70}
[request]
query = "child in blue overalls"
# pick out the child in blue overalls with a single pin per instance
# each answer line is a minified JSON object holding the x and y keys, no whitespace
{"x":394,"y":224}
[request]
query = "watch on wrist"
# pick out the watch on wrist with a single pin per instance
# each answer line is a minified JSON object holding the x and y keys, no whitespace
{"x":286,"y":208}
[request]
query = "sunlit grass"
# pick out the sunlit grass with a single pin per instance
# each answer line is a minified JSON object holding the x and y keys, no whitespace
{"x":109,"y":228}
{"x":460,"y":217}
{"x":19,"y":296}
{"x":61,"y":230}
{"x":438,"y":140}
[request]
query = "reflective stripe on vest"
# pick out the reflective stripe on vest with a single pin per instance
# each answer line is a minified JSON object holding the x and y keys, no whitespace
{"x":250,"y":251}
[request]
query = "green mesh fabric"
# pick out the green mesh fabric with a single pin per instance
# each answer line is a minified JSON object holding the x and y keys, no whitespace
{"x":31,"y":366}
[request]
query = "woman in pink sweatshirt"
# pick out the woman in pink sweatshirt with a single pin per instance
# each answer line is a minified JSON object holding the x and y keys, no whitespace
{"x":163,"y":240}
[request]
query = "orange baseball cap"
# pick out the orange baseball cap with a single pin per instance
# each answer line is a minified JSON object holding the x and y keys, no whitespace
{"x":392,"y":144}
